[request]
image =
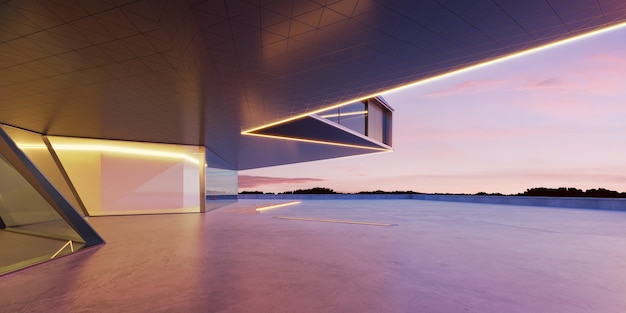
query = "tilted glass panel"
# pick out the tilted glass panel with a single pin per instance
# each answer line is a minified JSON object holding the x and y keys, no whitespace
{"x":35,"y":148}
{"x":31,"y":231}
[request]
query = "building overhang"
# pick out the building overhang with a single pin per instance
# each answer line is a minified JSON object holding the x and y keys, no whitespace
{"x":201,"y":72}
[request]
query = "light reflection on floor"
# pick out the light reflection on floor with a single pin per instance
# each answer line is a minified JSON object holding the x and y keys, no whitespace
{"x":439,"y":257}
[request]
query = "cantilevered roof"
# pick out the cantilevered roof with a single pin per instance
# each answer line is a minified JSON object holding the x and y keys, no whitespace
{"x":200,"y":72}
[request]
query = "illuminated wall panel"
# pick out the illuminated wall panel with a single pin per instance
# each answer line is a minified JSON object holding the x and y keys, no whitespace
{"x":192,"y":188}
{"x":130,"y":183}
{"x":117,"y":178}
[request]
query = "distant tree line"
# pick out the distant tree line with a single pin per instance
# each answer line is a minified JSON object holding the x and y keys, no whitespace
{"x":531,"y":192}
{"x":572,"y":192}
{"x":387,"y":192}
{"x":326,"y":191}
{"x":316,"y":190}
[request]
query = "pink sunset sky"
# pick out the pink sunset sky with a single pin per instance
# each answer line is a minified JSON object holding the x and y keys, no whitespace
{"x":553,"y":118}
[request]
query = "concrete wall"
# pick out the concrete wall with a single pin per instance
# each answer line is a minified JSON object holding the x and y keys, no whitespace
{"x":561,"y":202}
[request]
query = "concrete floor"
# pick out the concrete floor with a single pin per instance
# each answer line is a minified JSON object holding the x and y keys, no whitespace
{"x":440,"y":257}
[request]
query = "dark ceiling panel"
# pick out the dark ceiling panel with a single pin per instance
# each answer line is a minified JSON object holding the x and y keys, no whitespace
{"x":200,"y":71}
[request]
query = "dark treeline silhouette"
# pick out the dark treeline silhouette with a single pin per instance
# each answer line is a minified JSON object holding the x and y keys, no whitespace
{"x":316,"y":190}
{"x":386,"y":192}
{"x":531,"y":192}
{"x":572,"y":192}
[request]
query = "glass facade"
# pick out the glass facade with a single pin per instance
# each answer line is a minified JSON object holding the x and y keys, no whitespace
{"x":221,"y":187}
{"x":36,"y":222}
{"x":109,"y":177}
{"x":375,"y":122}
{"x":93,"y":177}
{"x":352,"y":116}
{"x":371,"y":117}
{"x":119,"y":178}
{"x":31,"y":231}
{"x":37,"y":149}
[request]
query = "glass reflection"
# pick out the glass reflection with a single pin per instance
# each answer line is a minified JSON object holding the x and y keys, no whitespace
{"x":221,"y":187}
{"x":31,"y":231}
{"x":35,"y":148}
{"x":124,"y":177}
{"x":371,"y":117}
{"x":352,"y":116}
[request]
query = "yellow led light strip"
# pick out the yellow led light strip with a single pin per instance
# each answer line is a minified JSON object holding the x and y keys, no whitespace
{"x":116,"y":149}
{"x":265,"y":208}
{"x":445,"y":75}
{"x":332,"y":221}
{"x":70,"y":243}
{"x":318,"y":141}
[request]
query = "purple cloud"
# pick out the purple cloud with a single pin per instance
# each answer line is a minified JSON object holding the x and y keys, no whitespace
{"x":470,"y":86}
{"x":552,"y":82}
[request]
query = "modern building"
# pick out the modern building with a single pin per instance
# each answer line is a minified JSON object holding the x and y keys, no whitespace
{"x":138,"y":107}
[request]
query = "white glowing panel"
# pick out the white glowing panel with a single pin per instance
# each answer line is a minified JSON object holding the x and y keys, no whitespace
{"x":116,"y":178}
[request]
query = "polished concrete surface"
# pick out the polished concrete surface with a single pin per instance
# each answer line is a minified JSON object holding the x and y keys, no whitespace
{"x":437,"y":257}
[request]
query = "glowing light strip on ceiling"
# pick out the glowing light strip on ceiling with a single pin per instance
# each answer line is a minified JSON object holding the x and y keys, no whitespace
{"x":318,"y":141}
{"x":111,"y":148}
{"x":446,"y":75}
{"x":265,"y":208}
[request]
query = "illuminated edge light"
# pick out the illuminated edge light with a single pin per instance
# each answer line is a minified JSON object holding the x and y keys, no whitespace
{"x":265,"y":208}
{"x":110,"y":148}
{"x":444,"y":75}
{"x":332,"y":221}
{"x":318,"y":141}
{"x":70,"y":243}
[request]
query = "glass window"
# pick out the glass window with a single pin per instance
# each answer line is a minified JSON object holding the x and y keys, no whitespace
{"x":31,"y":231}
{"x":221,"y":187}
{"x":352,"y":116}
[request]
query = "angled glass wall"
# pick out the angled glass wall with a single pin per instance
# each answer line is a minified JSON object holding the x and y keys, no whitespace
{"x":38,"y":150}
{"x":36,"y":222}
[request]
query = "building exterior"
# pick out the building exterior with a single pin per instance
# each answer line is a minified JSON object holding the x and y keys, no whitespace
{"x":138,"y":107}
